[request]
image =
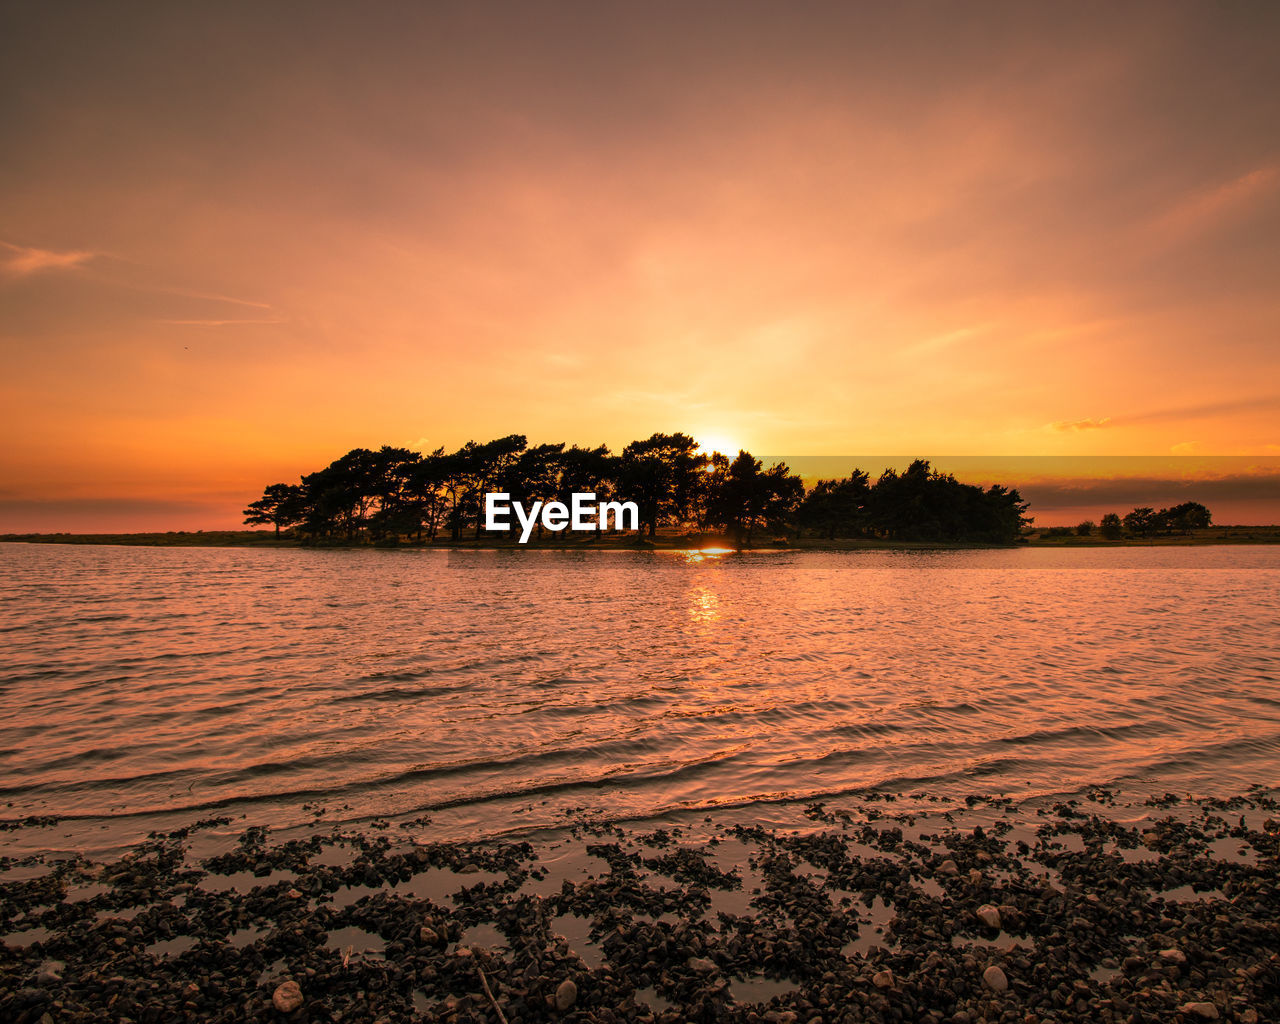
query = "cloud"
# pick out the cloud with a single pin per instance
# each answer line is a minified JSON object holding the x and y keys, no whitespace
{"x":1259,"y":489}
{"x":26,"y":260}
{"x":1075,"y":425}
{"x":1204,"y":410}
{"x":216,"y":323}
{"x":1207,"y":206}
{"x":939,"y":342}
{"x":1207,"y":409}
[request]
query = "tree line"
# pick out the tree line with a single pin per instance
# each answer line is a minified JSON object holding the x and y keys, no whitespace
{"x":391,"y":494}
{"x":1141,"y":522}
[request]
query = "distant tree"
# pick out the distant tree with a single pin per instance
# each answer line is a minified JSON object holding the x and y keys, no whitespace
{"x":920,"y":504}
{"x":587,"y":470}
{"x":424,"y":486}
{"x":1183,"y":518}
{"x":281,"y":506}
{"x":751,"y":497}
{"x":394,"y":492}
{"x":836,"y":507}
{"x":492,"y":467}
{"x":341,"y":496}
{"x":1141,"y":521}
{"x":710,"y":485}
{"x":1085,"y":528}
{"x":662,"y":475}
{"x":1112,"y":528}
{"x":535,"y":476}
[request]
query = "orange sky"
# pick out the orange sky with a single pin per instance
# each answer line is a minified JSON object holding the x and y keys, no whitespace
{"x":235,"y":243}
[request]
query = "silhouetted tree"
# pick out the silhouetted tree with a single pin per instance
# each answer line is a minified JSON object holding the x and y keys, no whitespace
{"x":281,"y":506}
{"x":1141,"y":521}
{"x":1183,"y":518}
{"x":391,"y":493}
{"x":837,"y":507}
{"x":661,"y":475}
{"x":1112,"y":528}
{"x":751,"y":497}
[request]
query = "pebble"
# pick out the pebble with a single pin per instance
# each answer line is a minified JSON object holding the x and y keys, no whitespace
{"x":1173,"y":956}
{"x":1205,"y":1011}
{"x":948,"y":867}
{"x":287,"y":996}
{"x":566,"y":995}
{"x":989,"y":916}
{"x":882,"y":979}
{"x":993,"y":977}
{"x":701,"y":963}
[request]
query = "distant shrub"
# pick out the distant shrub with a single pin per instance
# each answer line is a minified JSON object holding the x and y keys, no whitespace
{"x":1085,"y":528}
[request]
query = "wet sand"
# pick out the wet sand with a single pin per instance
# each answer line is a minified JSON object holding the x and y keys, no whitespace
{"x":878,"y":909}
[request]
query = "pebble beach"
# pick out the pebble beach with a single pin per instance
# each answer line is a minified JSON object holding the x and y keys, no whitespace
{"x":880,"y":908}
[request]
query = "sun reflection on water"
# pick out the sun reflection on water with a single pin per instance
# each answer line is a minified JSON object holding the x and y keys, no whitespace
{"x":704,"y":605}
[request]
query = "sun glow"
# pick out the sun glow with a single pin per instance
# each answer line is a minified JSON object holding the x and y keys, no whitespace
{"x":710,"y":442}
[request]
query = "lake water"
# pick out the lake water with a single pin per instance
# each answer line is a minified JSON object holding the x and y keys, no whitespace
{"x":143,"y":688}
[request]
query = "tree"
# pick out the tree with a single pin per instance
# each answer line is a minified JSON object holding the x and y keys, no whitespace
{"x":1112,"y":528}
{"x":661,"y":474}
{"x":1085,"y":528}
{"x":281,"y":505}
{"x":1184,"y":518}
{"x":1141,"y":521}
{"x":837,"y":506}
{"x":750,"y":497}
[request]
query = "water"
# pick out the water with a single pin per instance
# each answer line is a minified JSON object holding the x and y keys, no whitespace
{"x":142,"y":688}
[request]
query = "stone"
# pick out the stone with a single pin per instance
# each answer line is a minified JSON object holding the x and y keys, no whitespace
{"x":427,"y":936}
{"x":287,"y":997}
{"x":989,"y":916}
{"x":882,"y":979}
{"x":1205,"y":1011}
{"x":948,"y":867}
{"x":993,"y":977}
{"x":1173,"y":956}
{"x":701,"y":963}
{"x":566,"y":995}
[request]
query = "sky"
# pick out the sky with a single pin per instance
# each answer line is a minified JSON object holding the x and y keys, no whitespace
{"x":237,"y":240}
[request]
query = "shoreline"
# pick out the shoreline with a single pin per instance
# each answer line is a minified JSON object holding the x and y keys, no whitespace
{"x":1215,"y":535}
{"x":1083,"y":909}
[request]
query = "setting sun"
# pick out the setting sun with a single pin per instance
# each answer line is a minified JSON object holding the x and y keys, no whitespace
{"x":711,"y":441}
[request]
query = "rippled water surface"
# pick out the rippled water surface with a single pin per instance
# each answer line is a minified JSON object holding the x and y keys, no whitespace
{"x":143,"y":687}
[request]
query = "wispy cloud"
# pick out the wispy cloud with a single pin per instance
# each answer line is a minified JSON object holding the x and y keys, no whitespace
{"x":1203,"y":410}
{"x":217,"y":323}
{"x":1206,"y":206}
{"x":1086,"y":424}
{"x":939,"y":342}
{"x":1268,"y":403}
{"x":26,"y":260}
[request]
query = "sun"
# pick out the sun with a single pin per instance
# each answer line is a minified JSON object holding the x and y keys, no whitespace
{"x":711,"y":441}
